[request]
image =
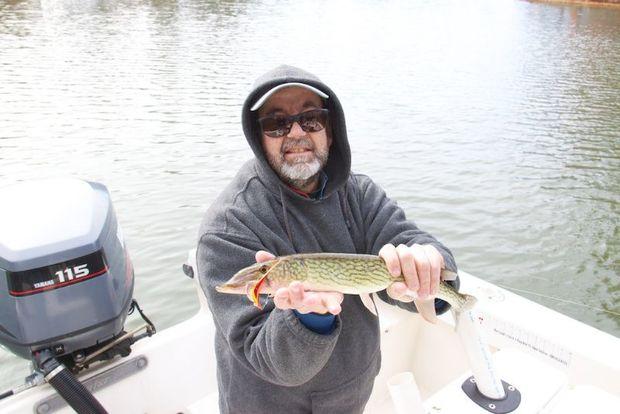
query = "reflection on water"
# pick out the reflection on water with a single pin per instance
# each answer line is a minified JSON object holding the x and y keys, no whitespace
{"x":494,"y":124}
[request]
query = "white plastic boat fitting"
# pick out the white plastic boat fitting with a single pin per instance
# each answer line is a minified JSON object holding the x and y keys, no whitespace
{"x":477,"y":349}
{"x":484,"y":387}
{"x":405,"y":394}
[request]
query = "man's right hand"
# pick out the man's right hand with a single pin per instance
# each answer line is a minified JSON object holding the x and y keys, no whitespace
{"x":295,"y":297}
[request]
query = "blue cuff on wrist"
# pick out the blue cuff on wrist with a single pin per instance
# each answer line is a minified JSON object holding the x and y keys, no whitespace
{"x":323,"y":324}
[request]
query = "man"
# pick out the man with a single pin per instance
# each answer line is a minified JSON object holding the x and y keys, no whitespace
{"x":305,"y":351}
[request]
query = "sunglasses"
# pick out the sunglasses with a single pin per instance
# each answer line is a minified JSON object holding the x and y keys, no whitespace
{"x":279,"y":126}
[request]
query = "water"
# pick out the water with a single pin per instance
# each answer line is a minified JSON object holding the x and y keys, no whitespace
{"x":495,"y":124}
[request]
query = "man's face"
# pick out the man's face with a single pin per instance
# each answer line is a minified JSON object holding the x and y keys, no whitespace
{"x":298,"y":156}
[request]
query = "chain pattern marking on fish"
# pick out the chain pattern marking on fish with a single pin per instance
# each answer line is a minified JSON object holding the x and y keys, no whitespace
{"x":346,"y":273}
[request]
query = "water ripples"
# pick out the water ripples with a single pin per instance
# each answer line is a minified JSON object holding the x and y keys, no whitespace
{"x":494,"y":124}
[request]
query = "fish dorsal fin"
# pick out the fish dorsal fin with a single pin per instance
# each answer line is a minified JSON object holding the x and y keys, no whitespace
{"x":369,"y":303}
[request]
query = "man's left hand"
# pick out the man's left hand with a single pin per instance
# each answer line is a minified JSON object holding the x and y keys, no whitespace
{"x":420,"y":265}
{"x":296,"y":297}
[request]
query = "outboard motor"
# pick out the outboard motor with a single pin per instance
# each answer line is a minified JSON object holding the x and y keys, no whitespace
{"x":66,"y":281}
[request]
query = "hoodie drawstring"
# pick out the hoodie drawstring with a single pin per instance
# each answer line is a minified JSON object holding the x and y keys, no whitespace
{"x":288,"y":229}
{"x":345,"y":208}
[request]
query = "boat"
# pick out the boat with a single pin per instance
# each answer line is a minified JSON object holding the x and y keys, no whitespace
{"x":548,"y":363}
{"x":559,"y":365}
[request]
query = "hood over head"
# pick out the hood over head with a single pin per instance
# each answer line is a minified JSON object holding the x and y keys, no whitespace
{"x":338,"y":165}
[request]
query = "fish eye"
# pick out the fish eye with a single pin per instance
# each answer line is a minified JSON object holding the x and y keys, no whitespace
{"x":263,"y":269}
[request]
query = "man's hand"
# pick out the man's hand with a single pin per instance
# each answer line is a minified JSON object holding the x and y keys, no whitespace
{"x":295,"y":297}
{"x":420,"y":265}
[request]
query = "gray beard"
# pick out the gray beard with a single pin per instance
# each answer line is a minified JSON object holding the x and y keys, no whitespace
{"x":298,"y":174}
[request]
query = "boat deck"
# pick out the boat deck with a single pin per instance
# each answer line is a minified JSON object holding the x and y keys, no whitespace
{"x":558,"y":365}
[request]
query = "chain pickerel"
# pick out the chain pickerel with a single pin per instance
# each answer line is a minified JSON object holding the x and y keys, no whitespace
{"x":353,"y":274}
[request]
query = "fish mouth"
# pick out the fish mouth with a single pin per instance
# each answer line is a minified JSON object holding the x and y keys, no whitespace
{"x":230,"y":289}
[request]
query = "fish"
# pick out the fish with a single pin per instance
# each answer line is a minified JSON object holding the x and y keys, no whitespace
{"x":354,"y":274}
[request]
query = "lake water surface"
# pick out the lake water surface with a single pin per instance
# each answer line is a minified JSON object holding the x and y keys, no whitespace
{"x":495,"y":124}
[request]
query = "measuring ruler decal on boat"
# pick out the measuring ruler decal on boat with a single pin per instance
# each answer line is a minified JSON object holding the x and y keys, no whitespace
{"x":526,"y":339}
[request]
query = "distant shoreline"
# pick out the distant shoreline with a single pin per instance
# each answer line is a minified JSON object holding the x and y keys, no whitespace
{"x":595,"y":3}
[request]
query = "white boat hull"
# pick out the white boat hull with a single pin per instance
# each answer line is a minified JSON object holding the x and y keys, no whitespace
{"x":558,"y":364}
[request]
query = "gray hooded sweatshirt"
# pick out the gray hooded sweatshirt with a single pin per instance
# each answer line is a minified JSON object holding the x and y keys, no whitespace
{"x":268,"y":361}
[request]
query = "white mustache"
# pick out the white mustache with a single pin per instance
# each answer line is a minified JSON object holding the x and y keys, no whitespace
{"x":303,"y":143}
